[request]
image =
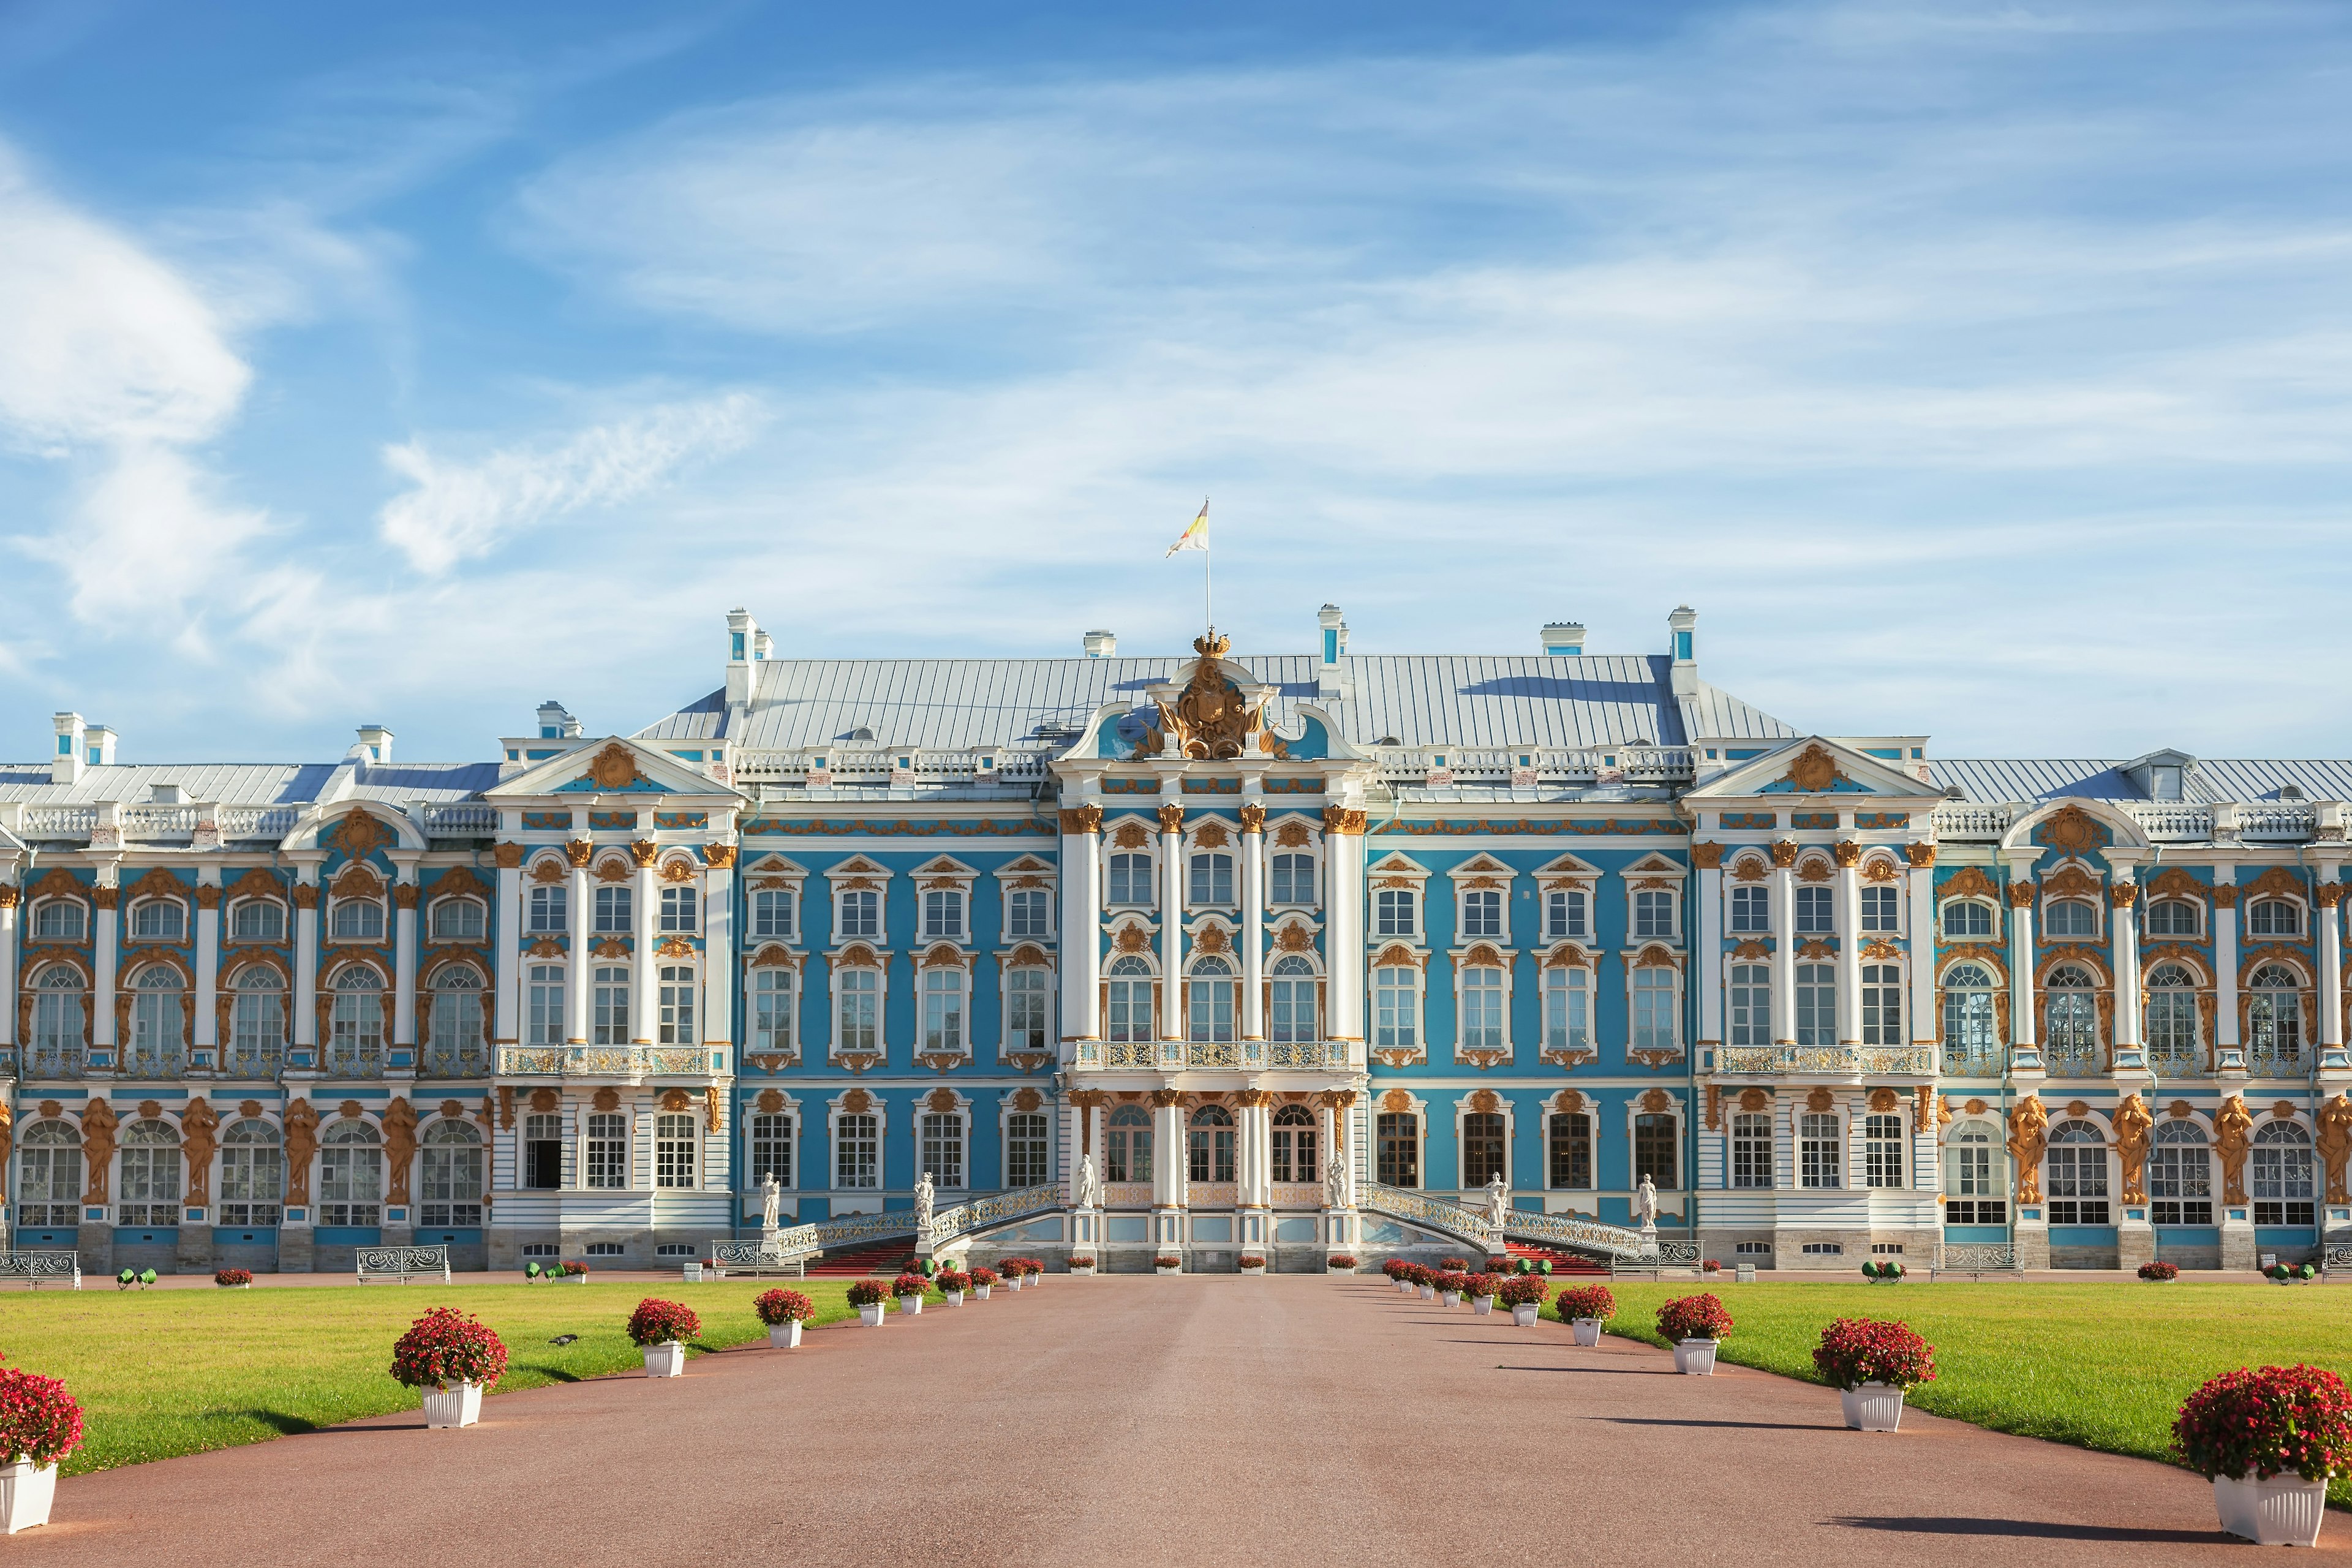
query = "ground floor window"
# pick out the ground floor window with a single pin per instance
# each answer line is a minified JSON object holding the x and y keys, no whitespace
{"x":943,"y":1148}
{"x":857,"y":1148}
{"x":350,"y":1175}
{"x":1294,"y":1146}
{"x":542,"y":1150}
{"x":1882,"y":1152}
{"x":1973,"y":1193}
{"x":772,"y":1148}
{"x":1209,"y":1145}
{"x":2180,"y":1175}
{"x":1026,"y":1162}
{"x":1398,"y":1137}
{"x":1821,"y":1150}
{"x":607,"y":1154}
{"x":1751,"y":1149}
{"x":1572,"y":1150}
{"x":1483,"y":1149}
{"x":2078,"y":1176}
{"x":1657,"y":1151}
{"x":1127,"y":1154}
{"x":450,"y":1190}
{"x":2281,"y":1175}
{"x":677,"y":1148}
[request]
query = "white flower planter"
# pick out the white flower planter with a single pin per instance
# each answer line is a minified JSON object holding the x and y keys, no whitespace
{"x":1429,"y":1292}
{"x":1523,"y":1313}
{"x":577,"y":1279}
{"x":910,"y":1305}
{"x":784,"y":1336}
{"x":1157,"y":1269}
{"x":1404,"y":1287}
{"x":458,"y":1406}
{"x":1336,"y":1269}
{"x":1449,"y":1298}
{"x":1586,"y":1330}
{"x":1874,"y":1408}
{"x":951,"y":1298}
{"x":1482,"y":1305}
{"x":981,"y":1290}
{"x":1260,"y":1270}
{"x":1694,"y":1358}
{"x":2285,"y":1511}
{"x":871,"y":1316}
{"x":27,"y":1490}
{"x":665,"y":1360}
{"x":1012,"y":1283}
{"x":1082,"y":1273}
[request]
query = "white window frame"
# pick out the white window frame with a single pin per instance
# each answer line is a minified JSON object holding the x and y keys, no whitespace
{"x":1043,"y":992}
{"x":434,"y":906}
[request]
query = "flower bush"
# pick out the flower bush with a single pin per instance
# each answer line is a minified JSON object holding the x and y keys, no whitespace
{"x":574,"y":1269}
{"x":1395,"y":1268}
{"x":447,"y":1346}
{"x":1340,"y":1260}
{"x":1586,"y":1301}
{"x":2159,"y":1272}
{"x":2256,"y":1425}
{"x":1883,"y":1273}
{"x":778,"y":1306}
{"x":656,"y":1322}
{"x":1455,"y":1265}
{"x":986,"y":1277}
{"x":1456,"y":1280}
{"x":1855,"y":1350}
{"x":1168,"y":1260}
{"x":1694,"y":1318}
{"x":1251,"y":1260}
{"x":1082,"y":1260}
{"x":1019,"y":1267}
{"x":226,"y":1276}
{"x":1524,"y":1289}
{"x":39,"y":1422}
{"x":868,"y":1293}
{"x":908,"y":1285}
{"x":954,"y":1280}
{"x":1481,"y":1284}
{"x":1419,"y":1274}
{"x":1711,"y":1267}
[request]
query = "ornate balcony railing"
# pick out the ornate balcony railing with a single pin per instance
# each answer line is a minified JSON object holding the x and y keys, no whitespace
{"x":1130,"y":1054}
{"x":632,"y":1063}
{"x":462,"y":1061}
{"x":1826,"y":1061}
{"x":1302,"y":1054}
{"x":993,"y":1209}
{"x":1211,"y":1054}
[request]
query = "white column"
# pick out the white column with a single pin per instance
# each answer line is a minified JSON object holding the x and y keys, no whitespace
{"x":2225,"y":958}
{"x":505,"y":947}
{"x":306,"y":961}
{"x":1326,"y":1127}
{"x":1171,"y":922}
{"x":1081,"y":933}
{"x":207,"y":1019}
{"x":642,"y":992}
{"x":1922,"y":877}
{"x":1167,"y":1168}
{"x":2331,"y":956}
{"x":2124,"y":937}
{"x":1848,"y":920}
{"x":1343,"y":925}
{"x":103,"y":959}
{"x":1709,"y":943}
{"x":576,"y":996}
{"x":2021,"y":954}
{"x":1253,"y":935}
{"x":9,"y":899}
{"x":718,"y":947}
{"x":1784,"y":944}
{"x":1257,"y":1171}
{"x":404,"y":963}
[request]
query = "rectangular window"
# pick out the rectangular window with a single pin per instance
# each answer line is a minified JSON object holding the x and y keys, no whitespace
{"x":1751,"y":1004}
{"x":1293,"y":879}
{"x":1751,"y":1149}
{"x":1881,"y":1148}
{"x":1564,"y":916}
{"x":543,"y":1024}
{"x":1482,"y":1009}
{"x":771,"y":1010}
{"x":1212,"y":881}
{"x":1393,"y":912}
{"x":1752,"y":909}
{"x":861,"y":914}
{"x":1816,"y":1005}
{"x":1209,"y":1154}
{"x":678,"y":906}
{"x":1657,"y":1151}
{"x":1130,"y":880}
{"x":1882,"y":1005}
{"x":1654,"y":915}
{"x":451,"y":1185}
{"x":1398,"y":1135}
{"x":615,"y":907}
{"x":1025,"y":1150}
{"x":859,"y":1027}
{"x":609,"y":1007}
{"x":771,"y":1148}
{"x":1027,"y":997}
{"x":771,"y":914}
{"x":1484,"y":1154}
{"x":1482,"y":914}
{"x":150,"y":1191}
{"x":351,"y":1185}
{"x":1568,"y":1014}
{"x":543,"y":1151}
{"x":1396,"y":1013}
{"x":1813,"y":913}
{"x":1572,"y":1152}
{"x":856,"y":1145}
{"x":1878,"y":907}
{"x":1026,"y":913}
{"x":676,"y":1025}
{"x":607,"y":1157}
{"x":1821,"y":1150}
{"x":944,"y":1010}
{"x":1655,"y":1027}
{"x":943,"y":1149}
{"x":550,"y":909}
{"x":943,"y":915}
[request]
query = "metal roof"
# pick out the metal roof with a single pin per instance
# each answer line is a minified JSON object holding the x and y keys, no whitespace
{"x":252,"y":784}
{"x":1995,"y":780}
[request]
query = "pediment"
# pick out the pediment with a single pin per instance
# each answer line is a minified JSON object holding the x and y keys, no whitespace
{"x":1811,"y":765}
{"x":613,"y":766}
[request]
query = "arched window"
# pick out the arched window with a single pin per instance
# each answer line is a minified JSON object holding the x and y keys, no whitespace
{"x":1292,"y":1017}
{"x":1211,"y":881}
{"x":2172,"y":1026}
{"x":1398,"y":1136}
{"x":1486,"y":1151}
{"x":2274,"y":917}
{"x":543,"y":1020}
{"x":148,"y":1191}
{"x":1751,"y":1149}
{"x":2069,"y":1033}
{"x":1127,"y":1153}
{"x":1751,"y":1004}
{"x":1483,"y":994}
{"x":771,"y":1148}
{"x":1976,"y":1181}
{"x":49,"y":1175}
{"x":1657,"y":989}
{"x":1967,"y":918}
{"x":1816,"y":1005}
{"x":459,"y":920}
{"x":771,"y":1010}
{"x":1882,"y":1005}
{"x":2180,"y":1175}
{"x":351,"y":1174}
{"x":257,"y":1023}
{"x":158,"y":1014}
{"x":253,"y":1173}
{"x":158,"y":920}
{"x":1294,"y":1146}
{"x":60,"y":920}
{"x":1569,"y":1144}
{"x":944,"y":1010}
{"x":450,"y":1189}
{"x":457,"y":1041}
{"x":1210,"y":1017}
{"x":2274,"y":1023}
{"x":256,"y":920}
{"x":2077,"y":1167}
{"x":2172,"y":917}
{"x":1209,"y":1146}
{"x":2282,"y":1182}
{"x":1028,"y":1004}
{"x":1128,"y":1013}
{"x":1293,"y":879}
{"x":2070,"y":918}
{"x":61,"y":1022}
{"x":1396,"y":1007}
{"x":1970,"y":1047}
{"x":1567,"y":1010}
{"x":355,"y":1026}
{"x":674,"y":994}
{"x":356,"y":920}
{"x":859,"y":993}
{"x":608,"y":999}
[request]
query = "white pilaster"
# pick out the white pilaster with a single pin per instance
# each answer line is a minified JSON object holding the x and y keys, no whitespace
{"x":1253,"y":935}
{"x":1848,"y":920}
{"x":1709,"y":943}
{"x":642,"y":993}
{"x":1168,"y":1171}
{"x":2123,"y":911}
{"x":305,"y":1021}
{"x":718,"y":947}
{"x":1081,"y":936}
{"x":1784,"y":944}
{"x":207,"y":1019}
{"x":105,"y":941}
{"x":506,"y":946}
{"x":2331,"y":955}
{"x":404,"y":958}
{"x":2225,"y":959}
{"x":1172,"y":923}
{"x":1922,"y":935}
{"x":1343,"y":926}
{"x":2021,"y":954}
{"x":575,"y":994}
{"x":8,"y":900}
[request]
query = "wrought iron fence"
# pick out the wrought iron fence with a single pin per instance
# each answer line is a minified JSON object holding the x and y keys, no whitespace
{"x":401,"y":1263}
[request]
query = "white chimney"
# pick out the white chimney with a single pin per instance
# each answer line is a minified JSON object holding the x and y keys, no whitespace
{"x":377,"y":741}
{"x":98,"y":746}
{"x":65,"y":764}
{"x":1563,"y":637}
{"x":1099,"y":645}
{"x":1683,"y":625}
{"x":1331,"y":645}
{"x":556,"y":722}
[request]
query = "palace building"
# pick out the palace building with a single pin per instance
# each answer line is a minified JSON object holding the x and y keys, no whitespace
{"x":1287,"y":953}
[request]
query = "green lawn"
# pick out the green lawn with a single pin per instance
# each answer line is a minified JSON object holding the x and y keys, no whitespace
{"x":160,"y":1373}
{"x":2101,"y":1365}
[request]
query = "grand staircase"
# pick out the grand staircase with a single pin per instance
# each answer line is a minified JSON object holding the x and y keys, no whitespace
{"x":1562,"y":1263}
{"x":872,"y":1257}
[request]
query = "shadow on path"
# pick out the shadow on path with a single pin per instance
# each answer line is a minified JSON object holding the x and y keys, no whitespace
{"x":2046,"y":1529}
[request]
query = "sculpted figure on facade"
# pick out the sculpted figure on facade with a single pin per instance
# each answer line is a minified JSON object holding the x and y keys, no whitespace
{"x":196,"y":1125}
{"x":301,"y":1142}
{"x":399,"y":1147}
{"x":98,"y":1124}
{"x":1338,"y":1190}
{"x":1499,"y":1201}
{"x":2233,"y":1129}
{"x":772,"y":1201}
{"x":1089,"y":1184}
{"x":2336,"y":1144}
{"x":1210,"y":718}
{"x":924,"y":1192}
{"x":2133,"y":1125}
{"x":1645,"y":1204}
{"x":2029,"y":1134}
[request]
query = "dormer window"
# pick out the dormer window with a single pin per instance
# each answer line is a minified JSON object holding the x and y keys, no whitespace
{"x":2164,"y":781}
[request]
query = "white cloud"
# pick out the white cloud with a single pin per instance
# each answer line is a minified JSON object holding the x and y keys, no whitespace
{"x":459,"y":509}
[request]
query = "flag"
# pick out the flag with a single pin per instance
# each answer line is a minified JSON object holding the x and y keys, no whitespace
{"x":1195,"y":537}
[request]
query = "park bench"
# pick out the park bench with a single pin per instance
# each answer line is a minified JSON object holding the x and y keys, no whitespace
{"x":1976,"y":1259}
{"x":401,"y":1263}
{"x":35,"y":1267}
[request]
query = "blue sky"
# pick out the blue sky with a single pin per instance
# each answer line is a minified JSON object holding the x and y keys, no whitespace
{"x":1983,"y":370}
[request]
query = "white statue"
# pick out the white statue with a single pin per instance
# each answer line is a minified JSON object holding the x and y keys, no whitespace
{"x":772,"y":1198}
{"x":1645,"y":1204}
{"x":1499,"y":1201}
{"x":1337,"y":1193}
{"x":923,"y":1201}
{"x":1089,"y":1184}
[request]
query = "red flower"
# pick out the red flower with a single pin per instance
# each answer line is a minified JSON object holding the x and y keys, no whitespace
{"x":1855,"y":1350}
{"x":1586,"y":1301}
{"x":447,"y":1346}
{"x":986,"y":1277}
{"x":910,"y":1285}
{"x":231,"y":1276}
{"x":38,"y":1419}
{"x":1524,"y":1290}
{"x":1694,"y":1318}
{"x":2262,"y":1424}
{"x":868,"y":1293}
{"x":954,"y":1281}
{"x":656,"y":1322}
{"x":780,"y":1307}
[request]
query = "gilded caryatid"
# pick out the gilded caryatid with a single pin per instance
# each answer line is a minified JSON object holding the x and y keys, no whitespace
{"x":1210,"y":719}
